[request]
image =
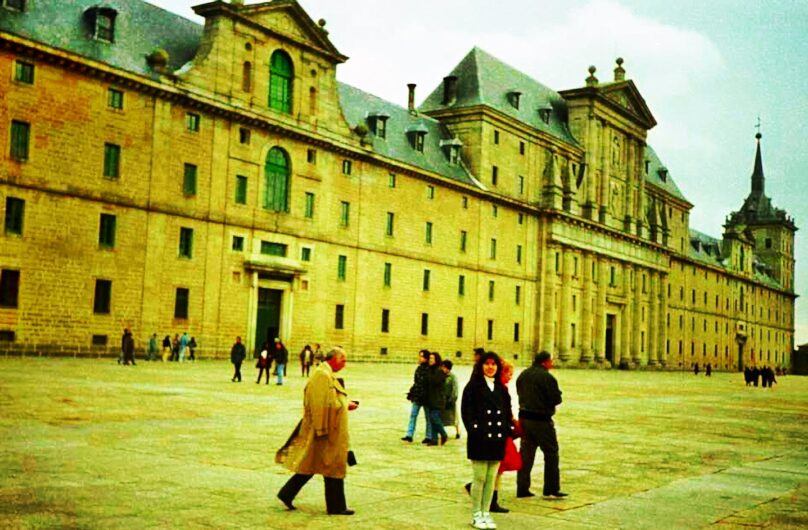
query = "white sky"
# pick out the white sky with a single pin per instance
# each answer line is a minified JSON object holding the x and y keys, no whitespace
{"x":706,"y":70}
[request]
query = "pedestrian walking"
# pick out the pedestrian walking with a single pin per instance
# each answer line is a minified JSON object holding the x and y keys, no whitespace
{"x":306,"y":360}
{"x":128,"y":347}
{"x":263,"y":364}
{"x":417,"y":396}
{"x":436,"y":399}
{"x":448,"y":414}
{"x":237,"y":355}
{"x":192,"y":349}
{"x":281,"y":355}
{"x":152,"y":348}
{"x":166,"y":348}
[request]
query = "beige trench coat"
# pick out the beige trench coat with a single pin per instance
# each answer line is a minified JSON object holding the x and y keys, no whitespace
{"x":320,"y":447}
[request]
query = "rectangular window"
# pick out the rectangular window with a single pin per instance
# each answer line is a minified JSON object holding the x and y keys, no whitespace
{"x":15,"y":214}
{"x":521,"y":148}
{"x":491,"y":286}
{"x":186,"y":249}
{"x":244,"y":135}
{"x":388,"y":274}
{"x":192,"y":122}
{"x":428,"y":233}
{"x":269,"y":248}
{"x":459,"y":331}
{"x":516,"y":331}
{"x":463,"y":237}
{"x":20,"y":134}
{"x":342,"y":264}
{"x":557,"y":263}
{"x":311,"y":156}
{"x":612,"y":277}
{"x":305,"y":254}
{"x":189,"y":180}
{"x":518,"y":294}
{"x":388,"y":229}
{"x":106,"y":231}
{"x":424,"y":323}
{"x":24,"y":72}
{"x":238,"y":243}
{"x":241,"y":189}
{"x":114,"y":98}
{"x":461,"y":285}
{"x":99,"y":340}
{"x":339,"y":317}
{"x":430,"y":192}
{"x":9,"y":288}
{"x":103,"y":297}
{"x":345,"y":213}
{"x":490,"y":331}
{"x":494,"y":210}
{"x":493,"y":253}
{"x":391,"y":180}
{"x":572,"y":335}
{"x":496,"y":137}
{"x":385,"y":320}
{"x":427,"y":273}
{"x":181,"y":303}
{"x":309,"y":211}
{"x":521,"y":218}
{"x":112,"y":160}
{"x":519,"y":254}
{"x":520,"y":184}
{"x":346,"y":167}
{"x":465,"y":202}
{"x":494,"y":175}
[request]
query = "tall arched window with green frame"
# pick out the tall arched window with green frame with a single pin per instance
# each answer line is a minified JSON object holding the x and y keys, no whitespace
{"x":281,"y":73}
{"x":276,"y":174}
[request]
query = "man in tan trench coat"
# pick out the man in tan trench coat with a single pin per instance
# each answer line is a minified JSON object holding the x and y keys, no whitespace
{"x":320,"y":446}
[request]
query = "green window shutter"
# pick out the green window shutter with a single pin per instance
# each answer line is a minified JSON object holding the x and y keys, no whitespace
{"x":281,"y":73}
{"x":427,"y":273}
{"x":186,"y":249}
{"x":273,"y":249}
{"x":461,"y":285}
{"x":15,"y":214}
{"x":241,"y":189}
{"x":428,"y":234}
{"x":181,"y":303}
{"x":106,"y":232}
{"x":388,"y":274}
{"x":390,"y":220}
{"x":309,"y":213}
{"x":189,"y":180}
{"x":114,"y":98}
{"x":341,"y":266}
{"x":24,"y":72}
{"x":112,"y":160}
{"x":276,"y":172}
{"x":20,"y":133}
{"x":345,"y":213}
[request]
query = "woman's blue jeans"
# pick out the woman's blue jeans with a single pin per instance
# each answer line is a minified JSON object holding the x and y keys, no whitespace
{"x":416,"y":408}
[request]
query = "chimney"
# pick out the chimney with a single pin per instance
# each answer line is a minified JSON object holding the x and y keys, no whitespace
{"x":619,"y":72}
{"x":449,"y":89}
{"x":411,"y":98}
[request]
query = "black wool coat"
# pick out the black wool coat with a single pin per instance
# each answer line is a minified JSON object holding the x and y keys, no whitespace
{"x":487,"y":418}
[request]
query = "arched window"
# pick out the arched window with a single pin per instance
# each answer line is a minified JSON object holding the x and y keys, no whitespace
{"x":246,"y":77}
{"x":281,"y":74}
{"x":276,"y":173}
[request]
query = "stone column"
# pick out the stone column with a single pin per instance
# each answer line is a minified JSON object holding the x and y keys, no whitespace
{"x":591,"y":170}
{"x":565,"y":334}
{"x":640,"y":205}
{"x":600,"y":310}
{"x":628,"y":327}
{"x":605,"y":158}
{"x":549,"y":313}
{"x":636,"y":346}
{"x":631,"y":149}
{"x":586,"y":308}
{"x":653,"y":311}
{"x":663,"y":319}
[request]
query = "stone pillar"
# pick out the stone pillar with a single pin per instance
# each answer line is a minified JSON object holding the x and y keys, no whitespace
{"x":600,"y":310}
{"x":663,"y":319}
{"x":636,"y":346}
{"x":605,"y":164}
{"x":628,"y":327}
{"x":653,"y":312}
{"x":586,"y":307}
{"x":565,"y":334}
{"x":630,"y":177}
{"x":549,"y":313}
{"x":591,"y":170}
{"x":640,"y":205}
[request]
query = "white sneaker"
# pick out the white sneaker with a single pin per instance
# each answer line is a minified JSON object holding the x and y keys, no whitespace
{"x":489,"y":521}
{"x":477,"y":521}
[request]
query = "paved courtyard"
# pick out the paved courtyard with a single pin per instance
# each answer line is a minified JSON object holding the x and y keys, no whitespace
{"x":88,"y":444}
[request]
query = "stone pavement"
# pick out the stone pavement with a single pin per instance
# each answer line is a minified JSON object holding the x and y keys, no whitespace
{"x":89,"y":444}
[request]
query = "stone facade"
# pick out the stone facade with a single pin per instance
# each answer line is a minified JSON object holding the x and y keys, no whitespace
{"x":565,"y":234}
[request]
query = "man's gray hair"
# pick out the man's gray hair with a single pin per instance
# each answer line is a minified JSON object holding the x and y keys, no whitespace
{"x":333,"y":352}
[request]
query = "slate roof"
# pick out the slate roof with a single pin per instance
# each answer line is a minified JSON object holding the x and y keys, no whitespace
{"x":707,"y":249}
{"x":482,"y":79}
{"x":140,"y":28}
{"x":358,"y":105}
{"x":654,"y":178}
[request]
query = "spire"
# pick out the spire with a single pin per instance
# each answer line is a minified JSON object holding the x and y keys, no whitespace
{"x":758,"y":181}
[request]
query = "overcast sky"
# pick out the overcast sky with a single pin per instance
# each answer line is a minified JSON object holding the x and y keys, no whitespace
{"x":705,"y":69}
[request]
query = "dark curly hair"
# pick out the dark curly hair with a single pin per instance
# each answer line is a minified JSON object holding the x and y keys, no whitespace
{"x":477,"y":372}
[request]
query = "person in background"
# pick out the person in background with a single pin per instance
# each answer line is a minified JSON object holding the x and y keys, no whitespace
{"x":166,"y":348}
{"x":436,"y":399}
{"x":264,"y":363}
{"x":449,"y":413}
{"x":306,"y":360}
{"x":237,"y":355}
{"x":184,"y":341}
{"x":281,"y":355}
{"x":152,"y":348}
{"x":128,"y":347}
{"x":192,"y":349}
{"x":417,"y":395}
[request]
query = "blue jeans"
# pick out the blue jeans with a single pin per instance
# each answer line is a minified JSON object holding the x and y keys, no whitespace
{"x":279,"y":372}
{"x":416,"y":408}
{"x":436,"y":424}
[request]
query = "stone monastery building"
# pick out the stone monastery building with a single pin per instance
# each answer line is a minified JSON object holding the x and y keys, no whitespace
{"x":166,"y":177}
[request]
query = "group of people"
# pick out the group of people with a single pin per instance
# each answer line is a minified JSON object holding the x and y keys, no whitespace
{"x":765,"y":375}
{"x":319,"y":444}
{"x":277,"y":353}
{"x":175,"y":350}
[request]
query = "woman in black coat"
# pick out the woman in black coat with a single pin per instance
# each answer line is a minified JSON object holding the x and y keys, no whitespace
{"x":435,"y":399}
{"x":486,"y":412}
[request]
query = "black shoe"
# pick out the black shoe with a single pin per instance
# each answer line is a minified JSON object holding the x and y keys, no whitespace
{"x":431,"y":443}
{"x":526,"y":493}
{"x":443,"y":439}
{"x":495,"y":507}
{"x":468,"y":487}
{"x":407,"y":439}
{"x":286,"y":503}
{"x":343,"y":512}
{"x":426,"y":441}
{"x":556,"y":495}
{"x":457,"y":436}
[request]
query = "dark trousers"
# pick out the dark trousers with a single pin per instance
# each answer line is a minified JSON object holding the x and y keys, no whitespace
{"x":334,"y":491}
{"x":237,"y":375}
{"x":262,"y":370}
{"x":542,"y":434}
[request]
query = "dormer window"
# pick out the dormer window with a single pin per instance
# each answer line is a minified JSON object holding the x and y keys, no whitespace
{"x":544,"y":113}
{"x":378,"y":124}
{"x":647,"y":166}
{"x":513,"y":98}
{"x":663,"y":174}
{"x":102,"y":22}
{"x":452,"y":150}
{"x":416,"y":134}
{"x":17,"y":5}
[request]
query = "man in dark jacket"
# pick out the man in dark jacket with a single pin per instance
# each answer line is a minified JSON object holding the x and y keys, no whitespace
{"x":128,"y":347}
{"x":281,"y":355}
{"x":237,"y":356}
{"x":417,"y":395}
{"x":538,"y":397}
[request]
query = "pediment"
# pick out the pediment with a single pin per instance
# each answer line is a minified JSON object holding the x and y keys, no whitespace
{"x":288,"y":19}
{"x":625,"y":95}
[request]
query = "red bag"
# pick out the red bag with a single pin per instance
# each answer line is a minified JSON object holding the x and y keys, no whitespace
{"x":512,"y":460}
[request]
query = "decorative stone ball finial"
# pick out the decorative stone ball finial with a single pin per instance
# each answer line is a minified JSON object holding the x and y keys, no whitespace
{"x":619,"y":71}
{"x":158,"y":59}
{"x":758,"y":136}
{"x":321,"y":23}
{"x":592,"y":80}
